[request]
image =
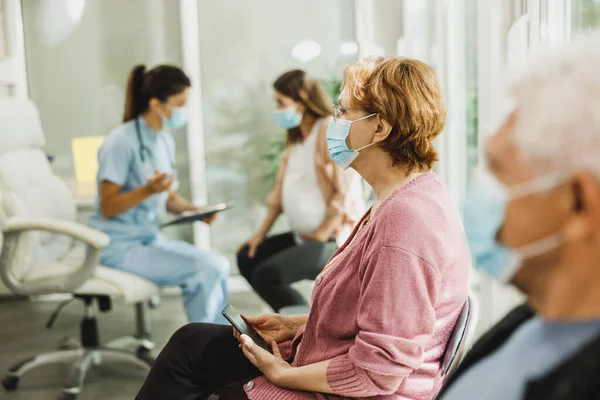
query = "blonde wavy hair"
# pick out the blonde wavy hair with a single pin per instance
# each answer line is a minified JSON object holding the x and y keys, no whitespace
{"x":407,"y":94}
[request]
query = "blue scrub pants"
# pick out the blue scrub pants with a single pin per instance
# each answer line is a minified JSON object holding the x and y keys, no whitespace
{"x":201,"y":274}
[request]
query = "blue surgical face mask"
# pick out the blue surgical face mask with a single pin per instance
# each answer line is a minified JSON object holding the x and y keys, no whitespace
{"x":178,"y":118}
{"x":288,"y":117}
{"x":337,"y":132}
{"x":485,"y":207}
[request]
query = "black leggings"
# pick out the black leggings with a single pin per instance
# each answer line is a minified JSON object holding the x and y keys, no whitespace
{"x":199,"y":360}
{"x":279,"y":261}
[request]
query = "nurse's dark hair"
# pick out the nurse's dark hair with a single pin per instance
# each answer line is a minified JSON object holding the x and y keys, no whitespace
{"x":304,"y":89}
{"x":160,"y":83}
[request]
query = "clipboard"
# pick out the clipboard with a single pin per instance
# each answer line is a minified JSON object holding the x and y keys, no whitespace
{"x":200,"y":214}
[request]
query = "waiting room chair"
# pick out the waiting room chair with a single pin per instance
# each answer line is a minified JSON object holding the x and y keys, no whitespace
{"x":462,"y":336}
{"x":41,"y":254}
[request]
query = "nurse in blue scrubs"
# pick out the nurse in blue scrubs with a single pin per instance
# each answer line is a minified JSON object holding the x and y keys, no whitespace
{"x":136,"y":183}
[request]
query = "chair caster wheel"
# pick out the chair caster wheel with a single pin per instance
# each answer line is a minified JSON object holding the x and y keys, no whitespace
{"x":68,"y":343}
{"x":10,"y":383}
{"x":68,"y":396}
{"x":144,"y":354}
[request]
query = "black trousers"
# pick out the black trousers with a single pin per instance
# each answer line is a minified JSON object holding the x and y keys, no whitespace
{"x":279,"y":261}
{"x":199,"y":360}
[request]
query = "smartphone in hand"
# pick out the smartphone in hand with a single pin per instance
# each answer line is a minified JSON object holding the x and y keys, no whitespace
{"x":233,"y":316}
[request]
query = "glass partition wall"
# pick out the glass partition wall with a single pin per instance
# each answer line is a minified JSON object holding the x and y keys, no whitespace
{"x":234,"y":49}
{"x":77,"y":68}
{"x":243,"y":47}
{"x":79,"y":54}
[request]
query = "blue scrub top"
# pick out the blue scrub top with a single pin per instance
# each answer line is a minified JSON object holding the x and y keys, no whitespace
{"x":120,"y":161}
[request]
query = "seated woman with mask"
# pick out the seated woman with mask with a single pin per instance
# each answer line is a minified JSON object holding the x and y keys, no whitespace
{"x":384,"y":306}
{"x":310,"y":190}
{"x":136,"y":168}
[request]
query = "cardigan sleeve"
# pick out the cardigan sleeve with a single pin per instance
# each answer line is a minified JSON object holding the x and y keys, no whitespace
{"x":396,"y":317}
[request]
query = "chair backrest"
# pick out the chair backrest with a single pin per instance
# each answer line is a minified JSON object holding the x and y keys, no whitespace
{"x":27,"y":184}
{"x":461,"y":336}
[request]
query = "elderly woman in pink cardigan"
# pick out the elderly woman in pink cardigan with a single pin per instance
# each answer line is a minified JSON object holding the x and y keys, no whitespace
{"x":384,"y":306}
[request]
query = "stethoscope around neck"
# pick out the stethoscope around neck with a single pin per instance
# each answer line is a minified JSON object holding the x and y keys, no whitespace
{"x":146,"y":151}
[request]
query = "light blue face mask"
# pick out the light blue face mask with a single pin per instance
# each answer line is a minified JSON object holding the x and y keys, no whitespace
{"x":178,"y":119}
{"x":337,"y":132}
{"x":288,"y":117}
{"x":485,"y":207}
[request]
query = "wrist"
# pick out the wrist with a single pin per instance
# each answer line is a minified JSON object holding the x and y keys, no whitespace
{"x":294,"y":323}
{"x":282,"y":376}
{"x":147,"y":190}
{"x":320,"y":235}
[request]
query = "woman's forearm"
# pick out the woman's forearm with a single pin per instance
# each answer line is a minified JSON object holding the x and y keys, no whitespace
{"x":270,"y":219}
{"x":178,"y":204}
{"x":328,"y":226}
{"x":119,"y":203}
{"x":333,"y":219}
{"x":310,"y":378}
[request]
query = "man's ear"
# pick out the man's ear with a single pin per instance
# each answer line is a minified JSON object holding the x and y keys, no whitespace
{"x":382,"y":129}
{"x":584,"y":207}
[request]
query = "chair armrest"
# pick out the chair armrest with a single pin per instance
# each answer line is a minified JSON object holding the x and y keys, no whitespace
{"x":73,"y":229}
{"x":14,"y":230}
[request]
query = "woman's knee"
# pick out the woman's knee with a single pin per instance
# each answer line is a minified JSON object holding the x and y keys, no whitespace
{"x":266,"y":275}
{"x":245,"y":263}
{"x":222,"y":264}
{"x":184,"y":338}
{"x":190,"y":341}
{"x":242,"y":255}
{"x":216,"y":263}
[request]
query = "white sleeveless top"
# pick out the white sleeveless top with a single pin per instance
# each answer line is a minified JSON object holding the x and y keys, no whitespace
{"x":302,"y":199}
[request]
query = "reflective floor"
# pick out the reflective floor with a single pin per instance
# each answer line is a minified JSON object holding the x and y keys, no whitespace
{"x":23,"y":333}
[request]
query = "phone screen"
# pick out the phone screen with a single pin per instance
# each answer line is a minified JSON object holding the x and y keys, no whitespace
{"x":233,"y":316}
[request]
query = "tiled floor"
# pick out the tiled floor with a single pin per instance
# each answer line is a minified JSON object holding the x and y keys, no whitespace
{"x":23,"y":333}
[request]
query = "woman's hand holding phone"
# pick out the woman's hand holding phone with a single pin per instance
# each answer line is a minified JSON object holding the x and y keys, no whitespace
{"x":272,"y":327}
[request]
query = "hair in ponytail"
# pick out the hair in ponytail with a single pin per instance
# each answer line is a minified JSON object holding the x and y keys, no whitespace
{"x":134,"y":97}
{"x":160,"y":82}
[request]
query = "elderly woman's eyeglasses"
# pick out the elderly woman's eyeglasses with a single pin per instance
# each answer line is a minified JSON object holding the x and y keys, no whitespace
{"x":337,"y":112}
